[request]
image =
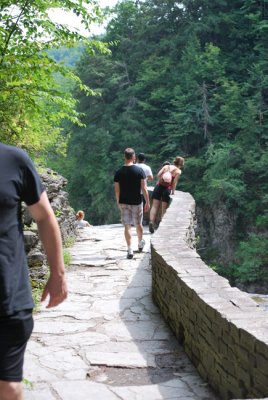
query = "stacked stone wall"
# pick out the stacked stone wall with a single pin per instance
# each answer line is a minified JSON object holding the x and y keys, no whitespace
{"x":54,"y":184}
{"x":224,"y":331}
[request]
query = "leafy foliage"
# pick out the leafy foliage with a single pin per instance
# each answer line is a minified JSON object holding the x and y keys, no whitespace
{"x":31,"y":100}
{"x":252,"y":260}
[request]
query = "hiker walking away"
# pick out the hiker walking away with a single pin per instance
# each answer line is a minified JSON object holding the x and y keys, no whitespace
{"x":147,"y":170}
{"x":145,"y":167}
{"x":129,"y":181}
{"x":168,"y":177}
{"x":19,"y":181}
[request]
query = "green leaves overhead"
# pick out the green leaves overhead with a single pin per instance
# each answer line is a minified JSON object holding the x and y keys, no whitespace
{"x":32,"y":104}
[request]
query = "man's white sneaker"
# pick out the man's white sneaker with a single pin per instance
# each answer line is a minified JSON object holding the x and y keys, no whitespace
{"x":141,"y":245}
{"x":129,"y":254}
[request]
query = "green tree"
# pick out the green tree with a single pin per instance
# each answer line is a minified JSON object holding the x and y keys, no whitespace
{"x":31,"y":101}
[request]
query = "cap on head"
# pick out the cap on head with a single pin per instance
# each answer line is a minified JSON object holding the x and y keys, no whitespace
{"x":165,"y":163}
{"x":141,"y":157}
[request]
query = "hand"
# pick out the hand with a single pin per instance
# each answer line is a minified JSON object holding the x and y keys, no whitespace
{"x":146,"y":207}
{"x":56,"y":288}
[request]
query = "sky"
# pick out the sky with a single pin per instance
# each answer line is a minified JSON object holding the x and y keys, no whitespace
{"x":73,"y":21}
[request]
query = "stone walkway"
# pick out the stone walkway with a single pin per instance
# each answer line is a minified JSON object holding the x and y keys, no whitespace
{"x":261,"y":299}
{"x":107,"y":341}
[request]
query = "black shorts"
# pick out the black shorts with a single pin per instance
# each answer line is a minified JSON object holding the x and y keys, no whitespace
{"x":161,"y":193}
{"x":15,"y":331}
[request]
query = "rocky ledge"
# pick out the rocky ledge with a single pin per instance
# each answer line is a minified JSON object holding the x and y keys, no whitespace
{"x":54,"y":184}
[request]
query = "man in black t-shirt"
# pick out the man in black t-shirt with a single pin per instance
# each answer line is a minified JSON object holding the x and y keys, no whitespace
{"x":129,"y":182}
{"x":19,"y":182}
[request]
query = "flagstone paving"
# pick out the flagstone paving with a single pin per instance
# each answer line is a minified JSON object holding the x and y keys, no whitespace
{"x":107,"y":341}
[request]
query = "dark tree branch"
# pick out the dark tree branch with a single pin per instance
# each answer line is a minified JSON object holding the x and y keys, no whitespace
{"x":12,"y":31}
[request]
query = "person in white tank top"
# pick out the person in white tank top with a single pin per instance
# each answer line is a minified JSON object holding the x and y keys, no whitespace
{"x":145,"y":167}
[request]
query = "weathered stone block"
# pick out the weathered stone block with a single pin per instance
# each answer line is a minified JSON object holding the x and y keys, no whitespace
{"x":213,"y":340}
{"x":262,"y":347}
{"x":30,"y":240}
{"x":260,"y":381}
{"x":262,"y":365}
{"x":36,"y":259}
{"x":234,"y":332}
{"x":244,"y":375}
{"x":242,"y":355}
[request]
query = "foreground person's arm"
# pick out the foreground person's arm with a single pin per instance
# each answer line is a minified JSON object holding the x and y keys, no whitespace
{"x":50,"y":235}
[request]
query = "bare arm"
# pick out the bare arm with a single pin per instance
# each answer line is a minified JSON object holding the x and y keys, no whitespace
{"x":146,"y":195}
{"x":50,"y":235}
{"x":175,"y":181}
{"x":150,"y":176}
{"x":117,"y":192}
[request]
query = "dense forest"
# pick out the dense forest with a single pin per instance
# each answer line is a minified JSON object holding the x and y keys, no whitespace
{"x":169,"y":78}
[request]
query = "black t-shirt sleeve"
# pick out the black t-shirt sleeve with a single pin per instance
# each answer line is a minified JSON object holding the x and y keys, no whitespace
{"x":143,"y":175}
{"x":32,"y":187}
{"x":116,"y":176}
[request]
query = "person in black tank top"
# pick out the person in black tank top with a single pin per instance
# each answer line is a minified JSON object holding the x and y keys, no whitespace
{"x":163,"y":190}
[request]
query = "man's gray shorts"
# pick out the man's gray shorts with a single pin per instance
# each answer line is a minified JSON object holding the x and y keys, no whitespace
{"x":131,"y":214}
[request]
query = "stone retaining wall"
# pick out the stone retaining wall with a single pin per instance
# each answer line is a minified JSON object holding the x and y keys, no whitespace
{"x":224,"y":332}
{"x":54,"y":184}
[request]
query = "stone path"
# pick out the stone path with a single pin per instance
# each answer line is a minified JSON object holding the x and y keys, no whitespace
{"x":261,"y":299}
{"x":107,"y":341}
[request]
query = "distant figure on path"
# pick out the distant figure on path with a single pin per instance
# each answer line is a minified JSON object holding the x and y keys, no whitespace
{"x":129,"y":181}
{"x":80,"y":221}
{"x":145,"y":167}
{"x":147,"y":170}
{"x":165,"y":186}
{"x":19,"y":181}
